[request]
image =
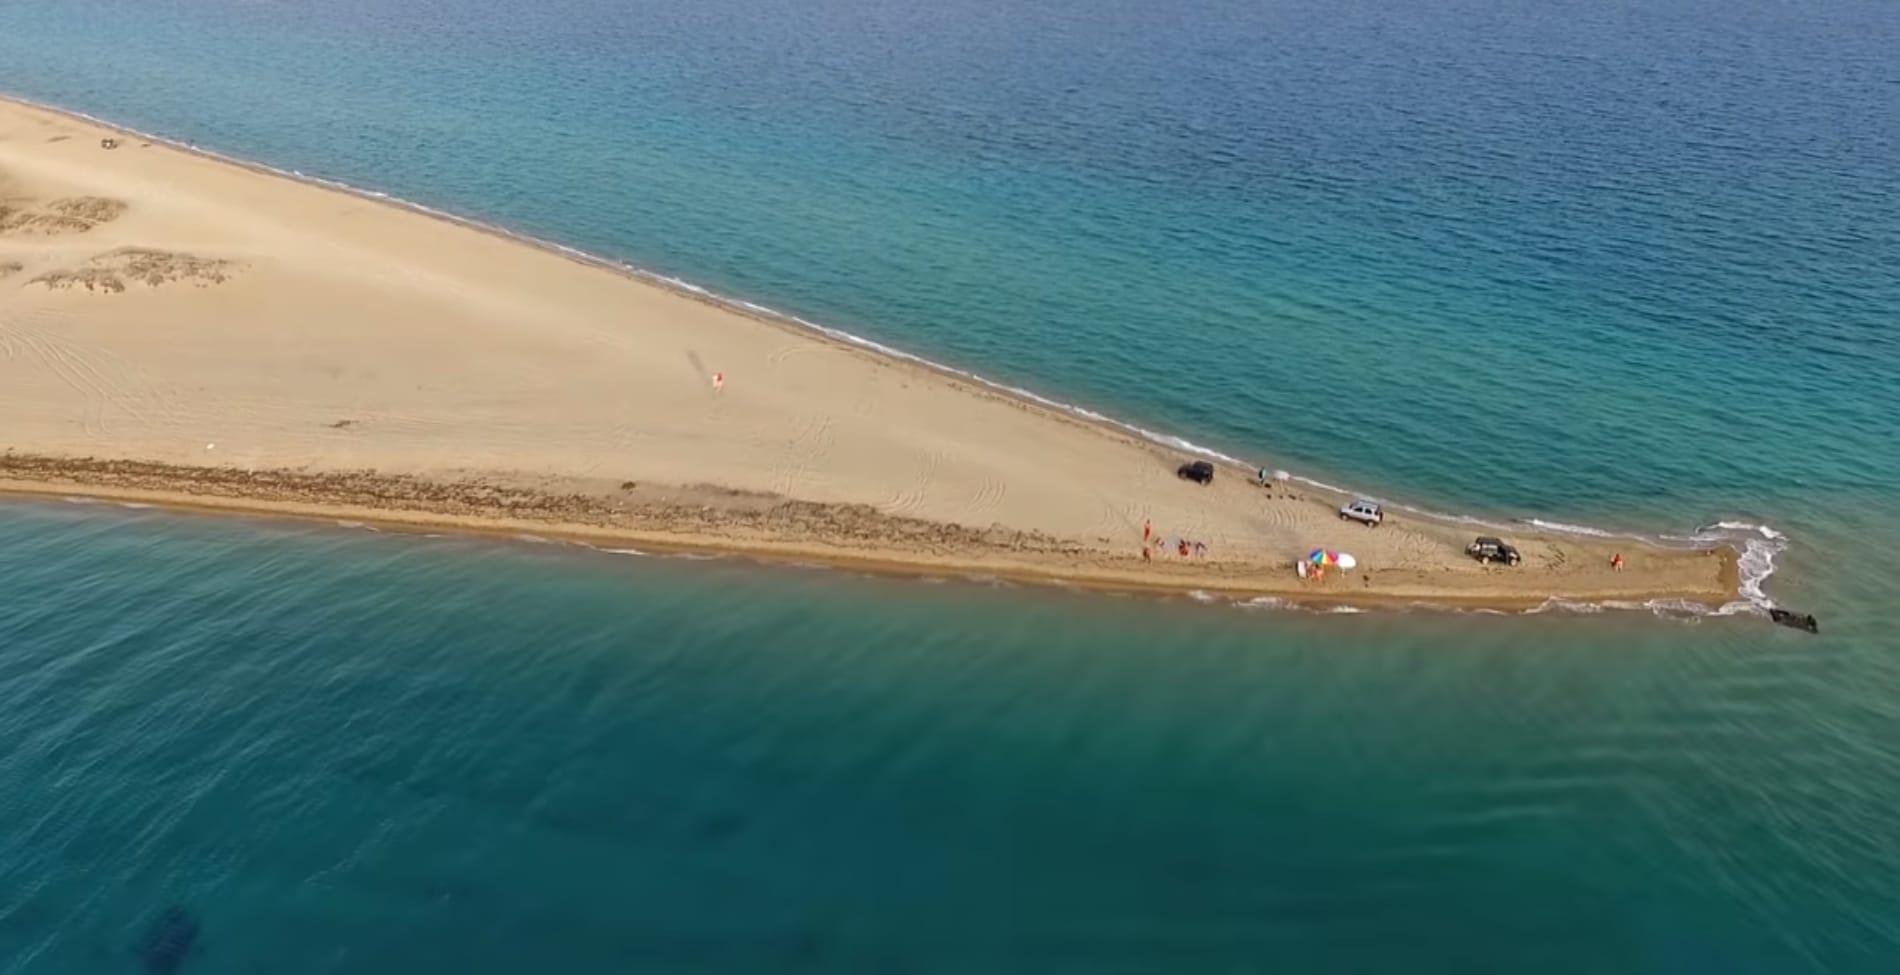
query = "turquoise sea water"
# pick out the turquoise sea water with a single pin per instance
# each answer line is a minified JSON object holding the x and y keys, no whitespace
{"x":1628,"y":265}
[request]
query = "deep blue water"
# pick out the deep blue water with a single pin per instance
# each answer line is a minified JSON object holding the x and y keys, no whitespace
{"x":1629,"y":265}
{"x":347,"y":752}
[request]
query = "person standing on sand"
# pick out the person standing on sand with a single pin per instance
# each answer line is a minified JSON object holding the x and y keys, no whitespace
{"x":1147,"y":532}
{"x":1616,"y":562}
{"x":719,"y":381}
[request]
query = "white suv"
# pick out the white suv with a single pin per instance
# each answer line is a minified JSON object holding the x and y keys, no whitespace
{"x":1364,"y":511}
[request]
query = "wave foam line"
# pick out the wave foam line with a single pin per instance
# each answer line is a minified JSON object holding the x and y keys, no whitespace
{"x":1755,"y":571}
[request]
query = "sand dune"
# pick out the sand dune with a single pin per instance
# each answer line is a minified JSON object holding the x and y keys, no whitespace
{"x":227,"y":337}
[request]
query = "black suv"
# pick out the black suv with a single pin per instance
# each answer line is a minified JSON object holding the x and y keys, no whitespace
{"x":1200,"y":472}
{"x":1488,"y":549}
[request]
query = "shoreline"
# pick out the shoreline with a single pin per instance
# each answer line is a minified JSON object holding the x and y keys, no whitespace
{"x":659,"y":546}
{"x":422,"y":525}
{"x":1246,"y":576}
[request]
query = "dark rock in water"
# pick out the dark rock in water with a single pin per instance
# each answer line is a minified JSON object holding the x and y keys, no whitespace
{"x":167,"y":942}
{"x":1799,"y":621}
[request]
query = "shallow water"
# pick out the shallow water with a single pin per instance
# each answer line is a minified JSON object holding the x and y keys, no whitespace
{"x":1625,"y":266}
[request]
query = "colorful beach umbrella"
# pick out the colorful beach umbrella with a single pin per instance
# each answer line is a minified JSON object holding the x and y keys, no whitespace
{"x":1321,"y":556}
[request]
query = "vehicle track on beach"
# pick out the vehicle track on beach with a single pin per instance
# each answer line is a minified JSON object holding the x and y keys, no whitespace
{"x":104,"y":380}
{"x":812,"y":441}
{"x":910,"y":498}
{"x":989,"y":494}
{"x":784,"y":352}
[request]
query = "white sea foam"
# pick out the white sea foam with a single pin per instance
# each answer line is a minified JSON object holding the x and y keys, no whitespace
{"x":1747,"y":526}
{"x":1558,"y":605}
{"x":1761,"y":545}
{"x":1757,"y":564}
{"x":1566,"y":529}
{"x":1688,"y":609}
{"x":631,"y":552}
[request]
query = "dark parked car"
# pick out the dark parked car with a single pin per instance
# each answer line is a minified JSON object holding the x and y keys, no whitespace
{"x":1200,"y":471}
{"x":1488,"y":549}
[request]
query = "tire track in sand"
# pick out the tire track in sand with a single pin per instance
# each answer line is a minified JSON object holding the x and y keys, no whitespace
{"x":103,"y":379}
{"x":812,"y":441}
{"x":56,"y":361}
{"x":785,"y":352}
{"x":909,"y":499}
{"x":989,"y":494}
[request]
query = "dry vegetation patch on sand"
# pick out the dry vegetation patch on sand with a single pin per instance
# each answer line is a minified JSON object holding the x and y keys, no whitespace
{"x":114,"y":270}
{"x":68,"y":215}
{"x":92,"y":209}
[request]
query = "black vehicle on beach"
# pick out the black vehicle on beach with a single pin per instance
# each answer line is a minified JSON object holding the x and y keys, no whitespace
{"x":1488,"y":549}
{"x":1200,"y":472}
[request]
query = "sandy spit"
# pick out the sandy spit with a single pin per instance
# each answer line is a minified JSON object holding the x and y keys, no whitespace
{"x":180,"y":330}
